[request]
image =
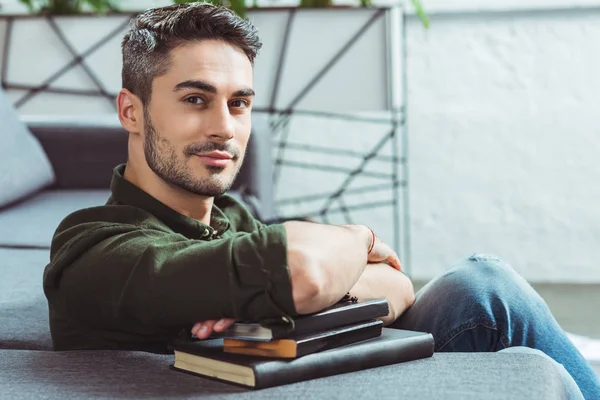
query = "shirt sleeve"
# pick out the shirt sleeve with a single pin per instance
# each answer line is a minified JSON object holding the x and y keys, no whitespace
{"x":164,"y":279}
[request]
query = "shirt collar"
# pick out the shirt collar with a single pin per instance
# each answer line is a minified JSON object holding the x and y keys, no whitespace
{"x":127,"y":193}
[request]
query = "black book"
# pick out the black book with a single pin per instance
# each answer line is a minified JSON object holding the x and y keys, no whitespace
{"x":340,"y":314}
{"x":206,"y":358}
{"x":308,"y":344}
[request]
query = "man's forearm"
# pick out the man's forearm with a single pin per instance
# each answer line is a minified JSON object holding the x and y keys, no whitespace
{"x":324,"y":262}
{"x":380,"y":280}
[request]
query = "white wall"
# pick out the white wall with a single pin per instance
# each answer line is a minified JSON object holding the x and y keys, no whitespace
{"x":504,"y":142}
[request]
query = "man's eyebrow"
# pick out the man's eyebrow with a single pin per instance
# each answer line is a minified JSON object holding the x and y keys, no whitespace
{"x":207,"y":87}
{"x":244,"y":93}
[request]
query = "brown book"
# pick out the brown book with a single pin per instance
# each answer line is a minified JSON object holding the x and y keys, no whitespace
{"x":303,"y":345}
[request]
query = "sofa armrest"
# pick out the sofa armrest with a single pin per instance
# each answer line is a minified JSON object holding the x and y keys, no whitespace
{"x":82,"y":150}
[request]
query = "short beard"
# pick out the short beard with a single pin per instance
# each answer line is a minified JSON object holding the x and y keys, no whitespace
{"x":163,"y":161}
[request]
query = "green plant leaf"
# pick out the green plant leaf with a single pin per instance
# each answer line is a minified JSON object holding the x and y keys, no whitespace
{"x":102,"y":6}
{"x":239,"y":7}
{"x":29,"y":4}
{"x":61,"y":6}
{"x":421,"y":12}
{"x":68,"y":6}
{"x":315,"y":3}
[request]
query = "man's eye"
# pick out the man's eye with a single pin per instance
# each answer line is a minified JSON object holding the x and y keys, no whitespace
{"x":194,"y":100}
{"x":238,"y":104}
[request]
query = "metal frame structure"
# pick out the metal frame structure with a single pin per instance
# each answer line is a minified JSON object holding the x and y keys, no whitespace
{"x":333,"y":201}
{"x":77,"y":60}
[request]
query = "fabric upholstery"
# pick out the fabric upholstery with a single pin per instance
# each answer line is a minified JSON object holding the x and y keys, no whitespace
{"x":32,"y":223}
{"x":24,"y":167}
{"x":23,"y":306}
{"x":83,"y":151}
{"x":110,"y":375}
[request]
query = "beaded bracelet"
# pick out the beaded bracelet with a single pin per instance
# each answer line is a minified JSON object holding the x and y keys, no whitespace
{"x":349,"y":297}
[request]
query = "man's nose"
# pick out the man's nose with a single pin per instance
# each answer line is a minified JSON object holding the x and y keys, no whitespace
{"x":221,"y":125}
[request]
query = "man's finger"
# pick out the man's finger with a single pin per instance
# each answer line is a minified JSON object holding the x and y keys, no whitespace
{"x":202,"y":330}
{"x":398,"y":263}
{"x":223,"y":324}
{"x":197,"y":326}
{"x":394,"y":261}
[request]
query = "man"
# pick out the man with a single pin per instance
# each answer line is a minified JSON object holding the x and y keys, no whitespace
{"x":169,"y":252}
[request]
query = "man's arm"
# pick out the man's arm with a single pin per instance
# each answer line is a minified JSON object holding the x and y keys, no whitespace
{"x":325,"y":261}
{"x":379,"y":280}
{"x":113,"y":273}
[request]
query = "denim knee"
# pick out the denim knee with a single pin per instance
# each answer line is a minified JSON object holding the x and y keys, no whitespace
{"x":494,"y":285}
{"x":480,"y":304}
{"x":489,"y":273}
{"x":489,"y":267}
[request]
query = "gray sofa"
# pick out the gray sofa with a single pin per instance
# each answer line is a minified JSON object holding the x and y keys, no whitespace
{"x":82,"y":154}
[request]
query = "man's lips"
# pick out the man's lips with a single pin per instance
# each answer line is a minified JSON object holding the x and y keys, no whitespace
{"x":220,"y":155}
{"x":215,"y":158}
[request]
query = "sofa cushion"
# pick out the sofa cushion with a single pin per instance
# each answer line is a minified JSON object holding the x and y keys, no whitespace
{"x":117,"y":374}
{"x":32,"y":223}
{"x":24,"y":167}
{"x":23,"y":306}
{"x":83,"y":150}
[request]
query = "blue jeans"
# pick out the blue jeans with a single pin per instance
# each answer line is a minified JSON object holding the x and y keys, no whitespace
{"x":483,"y":305}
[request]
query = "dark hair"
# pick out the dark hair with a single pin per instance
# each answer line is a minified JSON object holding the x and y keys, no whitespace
{"x":155,"y":32}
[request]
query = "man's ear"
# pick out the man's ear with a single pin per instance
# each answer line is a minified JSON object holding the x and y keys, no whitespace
{"x":130,"y":112}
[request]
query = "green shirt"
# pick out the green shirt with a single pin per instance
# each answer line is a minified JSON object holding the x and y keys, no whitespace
{"x":134,"y":274}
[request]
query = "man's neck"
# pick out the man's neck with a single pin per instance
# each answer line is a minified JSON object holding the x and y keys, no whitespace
{"x":184,"y":202}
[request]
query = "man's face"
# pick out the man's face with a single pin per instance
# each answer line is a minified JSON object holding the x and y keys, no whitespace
{"x":197,"y":123}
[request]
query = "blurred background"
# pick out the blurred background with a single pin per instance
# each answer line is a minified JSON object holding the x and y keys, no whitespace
{"x":465,"y":126}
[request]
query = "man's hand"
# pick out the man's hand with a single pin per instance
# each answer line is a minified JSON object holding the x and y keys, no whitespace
{"x":381,"y":252}
{"x":204,"y":329}
{"x":379,"y":280}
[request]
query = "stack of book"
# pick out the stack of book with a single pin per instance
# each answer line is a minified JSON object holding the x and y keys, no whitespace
{"x":343,"y":338}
